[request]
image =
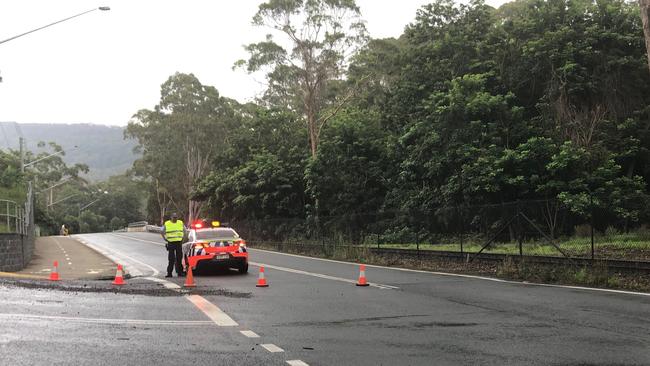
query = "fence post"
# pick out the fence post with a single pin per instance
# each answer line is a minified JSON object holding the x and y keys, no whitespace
{"x":462,"y":228}
{"x":378,"y":241}
{"x":8,"y":222}
{"x":519,"y":234}
{"x":417,"y":243}
{"x":591,"y":213}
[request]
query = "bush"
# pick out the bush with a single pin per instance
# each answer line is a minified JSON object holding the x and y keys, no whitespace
{"x":582,"y":231}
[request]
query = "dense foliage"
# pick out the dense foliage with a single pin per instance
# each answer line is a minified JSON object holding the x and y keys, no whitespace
{"x":471,"y":105}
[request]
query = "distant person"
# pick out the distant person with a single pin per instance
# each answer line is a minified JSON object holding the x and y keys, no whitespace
{"x":173,"y":232}
{"x":63,"y":231}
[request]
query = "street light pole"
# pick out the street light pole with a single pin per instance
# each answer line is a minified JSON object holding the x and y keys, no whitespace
{"x":102,"y":8}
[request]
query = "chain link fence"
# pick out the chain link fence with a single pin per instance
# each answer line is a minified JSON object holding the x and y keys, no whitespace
{"x":531,"y":228}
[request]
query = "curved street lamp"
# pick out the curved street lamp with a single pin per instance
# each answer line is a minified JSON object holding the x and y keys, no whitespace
{"x":102,"y":8}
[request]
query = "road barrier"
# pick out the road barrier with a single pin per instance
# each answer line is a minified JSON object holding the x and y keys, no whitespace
{"x":362,"y":276}
{"x":139,"y":226}
{"x":119,"y":279}
{"x":154,"y":229}
{"x":261,"y":280}
{"x":189,"y":280}
{"x":54,"y":275}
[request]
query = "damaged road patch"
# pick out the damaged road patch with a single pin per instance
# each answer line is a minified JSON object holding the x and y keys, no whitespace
{"x":133,"y":288}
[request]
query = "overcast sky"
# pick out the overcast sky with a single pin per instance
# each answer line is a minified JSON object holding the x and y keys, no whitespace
{"x":104,"y":66}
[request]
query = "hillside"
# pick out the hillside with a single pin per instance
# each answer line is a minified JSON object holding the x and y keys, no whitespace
{"x":102,"y":148}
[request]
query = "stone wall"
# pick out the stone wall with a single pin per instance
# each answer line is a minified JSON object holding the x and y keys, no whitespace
{"x":15,"y":251}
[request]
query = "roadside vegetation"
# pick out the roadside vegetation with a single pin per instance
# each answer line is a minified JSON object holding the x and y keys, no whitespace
{"x":534,"y":101}
{"x":471,"y":105}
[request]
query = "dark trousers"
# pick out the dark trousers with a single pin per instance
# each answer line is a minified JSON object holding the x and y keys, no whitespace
{"x":174,"y":256}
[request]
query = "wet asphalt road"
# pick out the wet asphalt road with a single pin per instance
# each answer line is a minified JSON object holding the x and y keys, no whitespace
{"x":315,"y":315}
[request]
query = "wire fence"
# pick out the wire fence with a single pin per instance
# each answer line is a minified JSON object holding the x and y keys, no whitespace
{"x":531,"y":228}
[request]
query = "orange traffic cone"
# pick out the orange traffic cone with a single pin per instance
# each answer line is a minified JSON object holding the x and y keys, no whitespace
{"x":362,"y":276}
{"x":189,"y":279}
{"x":118,"y":276}
{"x":54,"y":275}
{"x":261,"y":280}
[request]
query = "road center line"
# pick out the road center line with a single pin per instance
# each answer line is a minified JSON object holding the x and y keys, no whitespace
{"x":446,"y":274}
{"x":320,"y":275}
{"x":297,"y":363}
{"x":212,"y":311}
{"x":249,"y":333}
{"x":272,"y":348}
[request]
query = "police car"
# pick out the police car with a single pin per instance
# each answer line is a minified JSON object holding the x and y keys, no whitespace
{"x":212,"y":245}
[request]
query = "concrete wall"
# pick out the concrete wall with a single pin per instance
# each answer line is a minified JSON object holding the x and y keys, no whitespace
{"x":15,"y":251}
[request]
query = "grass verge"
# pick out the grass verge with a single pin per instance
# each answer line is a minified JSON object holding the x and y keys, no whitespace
{"x":599,"y":276}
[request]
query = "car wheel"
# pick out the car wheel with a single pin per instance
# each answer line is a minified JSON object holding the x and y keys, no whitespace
{"x":243,"y":269}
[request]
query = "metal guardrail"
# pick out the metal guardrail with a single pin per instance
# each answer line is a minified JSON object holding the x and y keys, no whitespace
{"x":154,"y":229}
{"x":138,"y":224}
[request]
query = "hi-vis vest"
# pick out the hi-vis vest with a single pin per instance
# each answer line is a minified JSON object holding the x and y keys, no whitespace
{"x":174,"y":231}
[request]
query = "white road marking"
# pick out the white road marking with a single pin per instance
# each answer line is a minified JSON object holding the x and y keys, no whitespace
{"x":167,"y":284}
{"x":297,"y":363}
{"x":249,"y":333}
{"x":120,"y":258}
{"x":105,"y":321}
{"x":320,"y":275}
{"x":272,"y":348}
{"x":212,"y":311}
{"x":463,"y":275}
{"x":69,"y":263}
{"x":136,"y":239}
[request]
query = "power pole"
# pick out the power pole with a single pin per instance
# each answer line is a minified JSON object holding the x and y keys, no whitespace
{"x":645,"y":19}
{"x":21,"y":142}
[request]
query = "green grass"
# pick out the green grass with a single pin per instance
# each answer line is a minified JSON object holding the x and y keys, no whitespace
{"x":623,"y":246}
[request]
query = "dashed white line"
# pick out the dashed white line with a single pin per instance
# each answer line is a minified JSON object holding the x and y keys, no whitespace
{"x":461,"y":275}
{"x":212,"y":311}
{"x":320,"y":275}
{"x":249,"y":333}
{"x":297,"y":363}
{"x":272,"y":348}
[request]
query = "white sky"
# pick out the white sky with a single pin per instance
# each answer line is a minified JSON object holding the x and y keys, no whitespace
{"x":102,"y":67}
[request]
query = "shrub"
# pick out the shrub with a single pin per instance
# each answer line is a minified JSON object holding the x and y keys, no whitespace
{"x":582,"y":231}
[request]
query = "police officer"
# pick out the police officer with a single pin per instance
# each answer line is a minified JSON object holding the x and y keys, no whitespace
{"x":173,"y":232}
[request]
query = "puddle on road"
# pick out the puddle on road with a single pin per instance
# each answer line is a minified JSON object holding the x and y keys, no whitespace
{"x":145,"y":289}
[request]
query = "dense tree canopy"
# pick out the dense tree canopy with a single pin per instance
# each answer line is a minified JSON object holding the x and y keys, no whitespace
{"x":470,"y":105}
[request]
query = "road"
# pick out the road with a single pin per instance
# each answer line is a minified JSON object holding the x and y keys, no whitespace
{"x":313,"y":314}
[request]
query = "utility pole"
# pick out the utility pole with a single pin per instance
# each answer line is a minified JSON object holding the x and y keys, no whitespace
{"x":21,"y":142}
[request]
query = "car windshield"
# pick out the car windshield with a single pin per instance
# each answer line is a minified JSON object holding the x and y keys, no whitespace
{"x":216,"y":234}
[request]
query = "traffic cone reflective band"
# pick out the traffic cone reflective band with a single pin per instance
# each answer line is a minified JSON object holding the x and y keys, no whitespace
{"x":189,"y":279}
{"x":119,"y":280}
{"x":261,"y":280}
{"x":54,"y":275}
{"x":362,"y":276}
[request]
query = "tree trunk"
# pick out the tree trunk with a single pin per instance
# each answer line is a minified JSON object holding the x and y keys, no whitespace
{"x":645,"y":18}
{"x":313,"y":134}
